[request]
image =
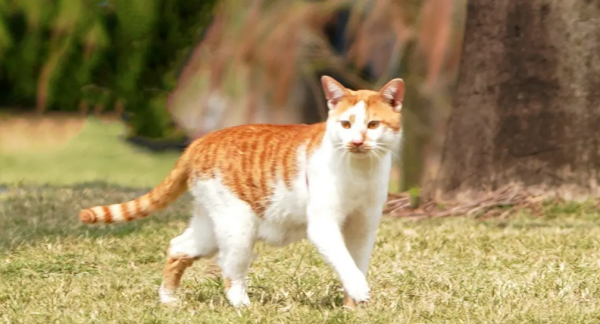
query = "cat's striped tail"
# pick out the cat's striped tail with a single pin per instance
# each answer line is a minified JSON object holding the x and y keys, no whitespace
{"x":158,"y":198}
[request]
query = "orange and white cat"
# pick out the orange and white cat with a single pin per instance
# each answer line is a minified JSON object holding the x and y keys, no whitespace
{"x":279,"y":184}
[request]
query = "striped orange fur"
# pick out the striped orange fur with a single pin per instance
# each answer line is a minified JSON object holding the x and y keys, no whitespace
{"x":248,"y":157}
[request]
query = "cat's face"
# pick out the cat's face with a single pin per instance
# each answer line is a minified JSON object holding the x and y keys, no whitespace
{"x":364,"y":122}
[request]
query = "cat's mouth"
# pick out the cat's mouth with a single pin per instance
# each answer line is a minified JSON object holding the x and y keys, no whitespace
{"x":358,"y":149}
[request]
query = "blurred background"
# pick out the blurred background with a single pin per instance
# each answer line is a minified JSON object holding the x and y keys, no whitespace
{"x":114,"y":90}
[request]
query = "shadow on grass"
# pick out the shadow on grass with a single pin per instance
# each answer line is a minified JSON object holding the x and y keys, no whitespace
{"x":33,"y":214}
{"x":563,"y":215}
{"x":210,"y":292}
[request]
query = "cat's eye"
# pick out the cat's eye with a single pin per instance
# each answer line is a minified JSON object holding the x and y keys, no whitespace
{"x":373,"y":124}
{"x":346,"y":124}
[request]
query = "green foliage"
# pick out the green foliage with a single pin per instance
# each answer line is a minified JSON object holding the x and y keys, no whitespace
{"x":415,"y":195}
{"x":58,"y":55}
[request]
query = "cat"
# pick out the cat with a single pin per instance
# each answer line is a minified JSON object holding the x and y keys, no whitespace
{"x":279,"y":184}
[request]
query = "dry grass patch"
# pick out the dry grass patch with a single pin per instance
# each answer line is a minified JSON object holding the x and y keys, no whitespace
{"x":26,"y":133}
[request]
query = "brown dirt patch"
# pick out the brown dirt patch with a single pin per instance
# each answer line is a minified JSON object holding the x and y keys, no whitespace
{"x":22,"y":133}
{"x":498,"y":203}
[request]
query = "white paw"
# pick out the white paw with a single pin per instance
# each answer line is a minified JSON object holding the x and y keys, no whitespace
{"x":237,"y":296}
{"x":246,"y":300}
{"x":357,"y":288}
{"x":166,"y":297}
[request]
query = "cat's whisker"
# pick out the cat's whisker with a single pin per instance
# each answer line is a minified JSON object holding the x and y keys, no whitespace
{"x":377,"y":154}
{"x":374,"y":159}
{"x":338,"y":158}
{"x":391,"y":151}
{"x":342,"y":157}
{"x":383,"y":151}
{"x":385,"y":147}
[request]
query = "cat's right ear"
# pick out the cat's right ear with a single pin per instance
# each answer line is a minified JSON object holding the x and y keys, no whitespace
{"x":334,"y":91}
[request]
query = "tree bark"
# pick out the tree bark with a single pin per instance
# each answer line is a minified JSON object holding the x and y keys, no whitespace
{"x":527,"y":104}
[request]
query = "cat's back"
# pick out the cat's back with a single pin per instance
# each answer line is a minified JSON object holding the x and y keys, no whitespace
{"x":252,"y":160}
{"x":259,"y":135}
{"x":266,"y":141}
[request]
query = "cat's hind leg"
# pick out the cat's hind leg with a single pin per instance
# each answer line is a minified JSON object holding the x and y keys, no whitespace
{"x":236,"y":232}
{"x":197,"y":241}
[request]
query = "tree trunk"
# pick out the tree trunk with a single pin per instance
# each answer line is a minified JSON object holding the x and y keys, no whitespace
{"x":527,"y":104}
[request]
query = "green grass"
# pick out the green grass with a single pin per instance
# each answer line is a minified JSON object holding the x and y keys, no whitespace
{"x":455,"y":270}
{"x":96,"y":154}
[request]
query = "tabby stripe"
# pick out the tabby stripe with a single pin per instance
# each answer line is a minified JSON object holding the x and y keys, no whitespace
{"x":98,"y":214}
{"x":128,"y":210}
{"x":137,"y":207}
{"x":106,"y":214}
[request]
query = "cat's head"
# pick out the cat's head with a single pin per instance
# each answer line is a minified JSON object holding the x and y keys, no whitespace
{"x":364,"y":122}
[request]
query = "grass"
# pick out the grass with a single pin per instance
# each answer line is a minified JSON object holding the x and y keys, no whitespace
{"x":455,"y":270}
{"x":91,"y":152}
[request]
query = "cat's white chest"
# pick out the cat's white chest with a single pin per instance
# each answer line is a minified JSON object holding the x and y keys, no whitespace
{"x":354,"y":188}
{"x":284,"y":221}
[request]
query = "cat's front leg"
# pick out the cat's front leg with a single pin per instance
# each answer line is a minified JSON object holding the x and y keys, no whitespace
{"x":324,"y":231}
{"x":359,"y":233}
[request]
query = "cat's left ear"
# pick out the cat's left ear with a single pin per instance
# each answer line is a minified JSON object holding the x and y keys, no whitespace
{"x":334,"y":91}
{"x":393,"y":94}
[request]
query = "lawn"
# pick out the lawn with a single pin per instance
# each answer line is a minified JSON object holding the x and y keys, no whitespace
{"x":520,"y":269}
{"x":61,"y":151}
{"x":454,"y":270}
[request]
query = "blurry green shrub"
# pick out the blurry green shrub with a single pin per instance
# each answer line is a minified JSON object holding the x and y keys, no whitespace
{"x":71,"y":55}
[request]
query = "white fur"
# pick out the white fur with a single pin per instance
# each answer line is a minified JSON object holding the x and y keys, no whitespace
{"x":359,"y":126}
{"x":338,"y":211}
{"x":166,"y":296}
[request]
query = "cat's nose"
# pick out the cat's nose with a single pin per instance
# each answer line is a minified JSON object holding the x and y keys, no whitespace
{"x":357,"y":143}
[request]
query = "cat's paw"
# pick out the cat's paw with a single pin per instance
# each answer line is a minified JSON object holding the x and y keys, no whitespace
{"x":358,"y":289}
{"x":238,"y":297}
{"x":166,"y":297}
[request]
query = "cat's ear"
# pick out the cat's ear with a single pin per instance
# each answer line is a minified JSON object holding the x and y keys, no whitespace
{"x":393,"y":94}
{"x":334,"y":91}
